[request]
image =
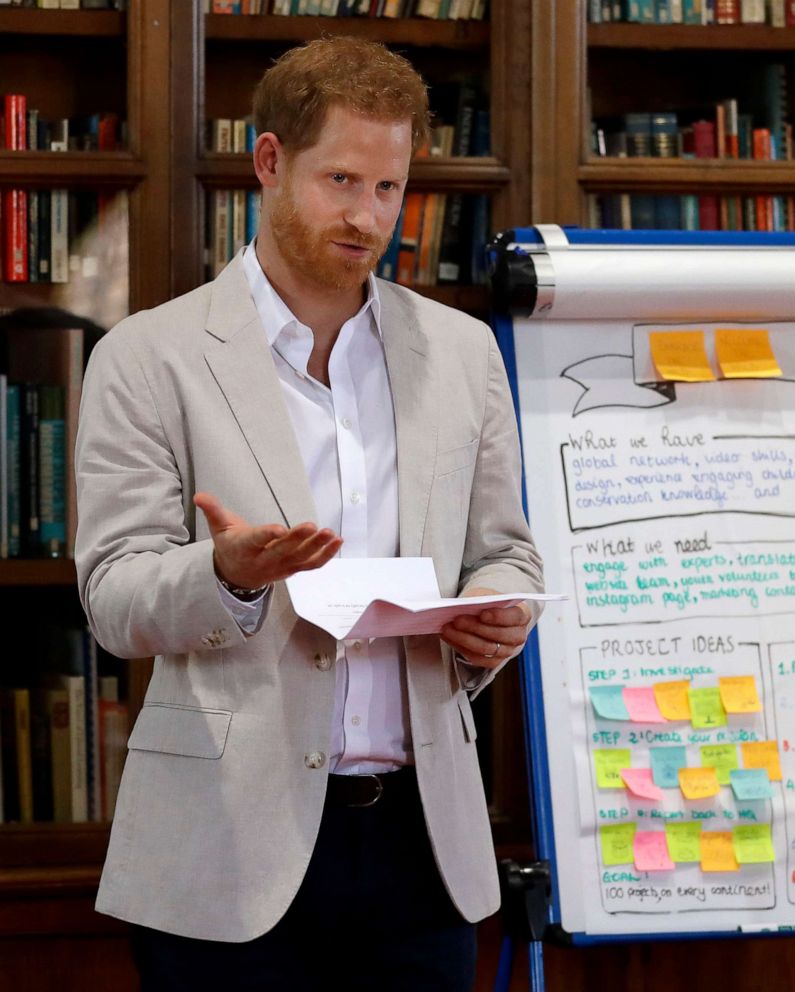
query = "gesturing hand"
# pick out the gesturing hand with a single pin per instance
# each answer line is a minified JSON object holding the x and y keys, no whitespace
{"x":491,"y":636}
{"x":252,"y":557}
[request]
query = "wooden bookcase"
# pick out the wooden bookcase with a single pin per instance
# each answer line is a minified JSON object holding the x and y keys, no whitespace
{"x":616,"y":68}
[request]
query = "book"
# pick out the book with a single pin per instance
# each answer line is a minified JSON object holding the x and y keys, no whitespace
{"x":56,"y":707}
{"x":59,"y":235}
{"x":113,"y":734}
{"x":13,"y":439}
{"x":52,"y":471}
{"x":409,"y":239}
{"x":78,"y":773}
{"x":15,"y":128}
{"x":15,"y":234}
{"x":29,"y":470}
{"x":16,"y":756}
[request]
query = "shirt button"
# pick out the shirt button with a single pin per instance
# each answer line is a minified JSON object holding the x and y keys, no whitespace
{"x":355,"y":497}
{"x":346,"y":423}
{"x":357,"y":645}
{"x":356,"y":720}
{"x":323,"y":662}
{"x":315,"y":759}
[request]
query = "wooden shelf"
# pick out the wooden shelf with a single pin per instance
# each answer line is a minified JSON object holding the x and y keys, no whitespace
{"x":663,"y":37}
{"x":37,"y":571}
{"x":687,"y":175}
{"x":71,"y":168}
{"x":80,"y":23}
{"x":50,"y":847}
{"x":402,"y":31}
{"x":462,"y":175}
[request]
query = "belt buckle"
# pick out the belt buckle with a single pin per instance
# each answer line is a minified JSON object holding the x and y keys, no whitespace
{"x":379,"y":785}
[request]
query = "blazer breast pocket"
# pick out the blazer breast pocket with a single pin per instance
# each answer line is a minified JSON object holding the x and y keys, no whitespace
{"x":185,"y":730}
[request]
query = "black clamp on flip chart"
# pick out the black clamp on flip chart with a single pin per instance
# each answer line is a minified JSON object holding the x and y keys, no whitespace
{"x":526,"y":891}
{"x":521,"y":274}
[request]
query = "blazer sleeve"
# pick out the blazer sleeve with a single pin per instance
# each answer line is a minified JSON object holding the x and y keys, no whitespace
{"x":146,"y":585}
{"x":499,"y":552}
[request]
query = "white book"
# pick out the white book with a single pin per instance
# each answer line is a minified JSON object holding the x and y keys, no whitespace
{"x":752,"y":11}
{"x":776,"y":13}
{"x":221,"y":211}
{"x":49,"y":4}
{"x":238,"y":220}
{"x":59,"y":235}
{"x":69,"y":4}
{"x":239,"y":135}
{"x":76,"y":692}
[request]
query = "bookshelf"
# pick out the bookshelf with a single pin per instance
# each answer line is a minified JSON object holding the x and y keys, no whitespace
{"x":669,"y":67}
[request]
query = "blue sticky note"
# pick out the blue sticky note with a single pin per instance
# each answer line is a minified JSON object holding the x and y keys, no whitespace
{"x":751,"y":783}
{"x":665,"y":765}
{"x":608,"y":702}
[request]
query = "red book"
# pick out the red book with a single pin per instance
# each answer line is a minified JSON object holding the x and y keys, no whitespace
{"x":764,"y":204}
{"x":108,"y":135}
{"x":705,"y":139}
{"x":790,"y":13}
{"x":15,"y":114}
{"x":15,"y":235}
{"x":727,"y":12}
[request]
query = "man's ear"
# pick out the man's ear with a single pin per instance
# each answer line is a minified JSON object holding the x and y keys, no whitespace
{"x":268,"y":159}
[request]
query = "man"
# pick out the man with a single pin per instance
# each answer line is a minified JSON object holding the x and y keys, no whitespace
{"x":297,"y":812}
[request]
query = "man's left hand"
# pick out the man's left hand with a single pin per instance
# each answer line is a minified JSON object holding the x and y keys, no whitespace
{"x":488,"y":638}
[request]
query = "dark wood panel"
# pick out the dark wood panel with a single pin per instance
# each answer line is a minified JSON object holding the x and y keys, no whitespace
{"x":687,"y":175}
{"x":729,"y":37}
{"x":31,"y":852}
{"x":70,"y":169}
{"x":37,"y":571}
{"x":63,"y":23}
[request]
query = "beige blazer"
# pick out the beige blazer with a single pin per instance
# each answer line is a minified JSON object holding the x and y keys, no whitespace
{"x":225,"y":778}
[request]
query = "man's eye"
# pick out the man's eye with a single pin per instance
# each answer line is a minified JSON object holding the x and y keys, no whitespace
{"x":339,"y":177}
{"x":387,"y":185}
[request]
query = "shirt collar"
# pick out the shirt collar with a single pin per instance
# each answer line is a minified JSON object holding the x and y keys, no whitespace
{"x":274,"y":312}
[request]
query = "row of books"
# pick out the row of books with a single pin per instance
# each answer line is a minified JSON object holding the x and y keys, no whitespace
{"x":63,"y":740}
{"x":44,"y":234}
{"x":23,"y":129}
{"x":226,"y":134}
{"x":439,"y":238}
{"x":67,"y":4}
{"x":232,"y":220}
{"x":776,"y":13}
{"x":40,"y":388}
{"x":437,"y":9}
{"x":693,"y":212}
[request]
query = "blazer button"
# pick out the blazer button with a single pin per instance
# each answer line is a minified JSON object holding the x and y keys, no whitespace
{"x":315,"y":759}
{"x":207,"y":639}
{"x":322,"y":662}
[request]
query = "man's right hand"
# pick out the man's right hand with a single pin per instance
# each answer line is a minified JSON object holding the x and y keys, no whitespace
{"x":252,"y":557}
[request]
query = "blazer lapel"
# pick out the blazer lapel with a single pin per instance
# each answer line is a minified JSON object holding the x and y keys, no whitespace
{"x":240,"y":360}
{"x":416,"y":402}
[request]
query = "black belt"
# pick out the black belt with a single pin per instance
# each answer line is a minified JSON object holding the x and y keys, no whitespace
{"x":366,"y":790}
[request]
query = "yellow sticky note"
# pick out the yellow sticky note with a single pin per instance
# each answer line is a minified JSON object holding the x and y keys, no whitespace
{"x":609,"y":762}
{"x":721,"y":757}
{"x":672,"y":700}
{"x":706,"y":709}
{"x":743,"y":353}
{"x":680,"y":355}
{"x":684,"y":841}
{"x":617,"y":841}
{"x":717,"y":851}
{"x":753,"y":844}
{"x":762,"y":754}
{"x":738,"y":694}
{"x":698,"y":783}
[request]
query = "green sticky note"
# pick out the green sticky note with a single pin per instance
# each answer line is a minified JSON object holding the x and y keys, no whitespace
{"x":753,"y":844}
{"x":684,"y":841}
{"x":706,"y":708}
{"x":609,"y":762}
{"x":721,"y":757}
{"x":608,"y":702}
{"x":618,"y":843}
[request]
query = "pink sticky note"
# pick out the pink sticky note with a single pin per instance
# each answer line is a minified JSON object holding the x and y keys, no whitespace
{"x":651,"y":851}
{"x":640,"y":783}
{"x":642,"y":706}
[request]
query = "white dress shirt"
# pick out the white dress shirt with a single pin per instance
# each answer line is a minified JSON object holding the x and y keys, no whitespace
{"x":346,"y":436}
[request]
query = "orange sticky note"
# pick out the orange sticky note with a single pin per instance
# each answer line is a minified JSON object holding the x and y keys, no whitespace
{"x":717,"y":851}
{"x":743,"y":353}
{"x":672,"y":699}
{"x":680,"y":355}
{"x":698,"y":783}
{"x":738,"y":694}
{"x":762,"y":754}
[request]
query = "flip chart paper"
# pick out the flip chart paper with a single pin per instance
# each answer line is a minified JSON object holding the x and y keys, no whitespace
{"x":706,"y":709}
{"x":745,"y":354}
{"x":717,"y":851}
{"x":738,"y":694}
{"x":684,"y":841}
{"x":698,"y":783}
{"x":608,"y":702}
{"x":749,"y":784}
{"x":651,"y":851}
{"x":616,"y":841}
{"x":762,"y":754}
{"x":721,"y":757}
{"x":609,"y":764}
{"x":672,"y":699}
{"x":680,"y":355}
{"x":753,"y":844}
{"x":665,"y":765}
{"x":642,"y":706}
{"x":640,"y":784}
{"x":384,"y":597}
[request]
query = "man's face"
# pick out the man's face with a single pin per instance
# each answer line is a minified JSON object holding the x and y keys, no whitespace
{"x":338,"y":201}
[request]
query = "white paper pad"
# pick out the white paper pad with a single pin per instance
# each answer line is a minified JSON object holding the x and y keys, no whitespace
{"x":384,"y":597}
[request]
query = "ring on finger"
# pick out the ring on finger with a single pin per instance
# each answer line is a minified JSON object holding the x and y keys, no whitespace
{"x":494,"y":653}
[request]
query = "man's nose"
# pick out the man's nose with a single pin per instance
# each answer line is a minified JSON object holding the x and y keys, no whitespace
{"x":361,"y":214}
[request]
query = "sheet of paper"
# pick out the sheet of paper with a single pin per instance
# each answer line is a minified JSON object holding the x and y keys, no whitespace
{"x":665,"y":765}
{"x":642,"y":705}
{"x":384,"y":597}
{"x":616,"y":841}
{"x":640,"y":784}
{"x":680,"y":355}
{"x":651,"y":851}
{"x":762,"y":754}
{"x":738,"y":694}
{"x":672,"y":699}
{"x":684,"y":841}
{"x":744,"y":353}
{"x":753,"y":844}
{"x":609,"y":763}
{"x":749,"y":784}
{"x":608,"y":702}
{"x":717,"y":851}
{"x":721,"y":757}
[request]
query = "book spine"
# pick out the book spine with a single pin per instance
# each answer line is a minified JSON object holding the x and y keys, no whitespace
{"x":29,"y":470}
{"x":75,"y":687}
{"x":59,"y":235}
{"x":15,"y":241}
{"x":13,"y":428}
{"x":57,"y":708}
{"x":52,"y":471}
